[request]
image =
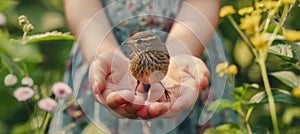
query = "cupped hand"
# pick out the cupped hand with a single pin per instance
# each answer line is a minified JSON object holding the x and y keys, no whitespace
{"x":186,"y":76}
{"x":113,"y":87}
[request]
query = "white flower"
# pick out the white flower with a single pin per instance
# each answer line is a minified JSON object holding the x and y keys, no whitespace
{"x":23,"y":93}
{"x":27,"y":81}
{"x":47,"y":104}
{"x":61,"y":90}
{"x":10,"y":80}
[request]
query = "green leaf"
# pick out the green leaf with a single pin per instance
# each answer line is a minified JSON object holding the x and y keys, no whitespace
{"x":229,"y":128}
{"x":7,"y":4}
{"x":280,"y":96}
{"x":283,"y":51}
{"x":24,"y":128}
{"x":239,"y":92}
{"x":288,"y":78}
{"x":22,"y":53}
{"x":48,"y":37}
{"x":222,"y":104}
{"x":10,"y":65}
{"x":271,"y":28}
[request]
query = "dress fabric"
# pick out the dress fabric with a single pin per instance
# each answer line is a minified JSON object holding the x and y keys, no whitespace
{"x":127,"y":17}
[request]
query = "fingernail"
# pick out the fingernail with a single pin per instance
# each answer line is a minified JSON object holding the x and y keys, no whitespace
{"x":204,"y":82}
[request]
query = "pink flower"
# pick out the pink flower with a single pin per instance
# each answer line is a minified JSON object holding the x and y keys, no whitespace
{"x":10,"y":80}
{"x":47,"y":104}
{"x":61,"y":90}
{"x":27,"y":81}
{"x":23,"y":93}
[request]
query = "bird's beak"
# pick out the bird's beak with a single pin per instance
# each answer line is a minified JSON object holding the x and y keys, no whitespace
{"x":125,"y":44}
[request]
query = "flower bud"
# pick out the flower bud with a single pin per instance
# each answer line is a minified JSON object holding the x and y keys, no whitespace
{"x":232,"y":69}
{"x":27,"y":81}
{"x":47,"y":104}
{"x":28,"y":27}
{"x":23,"y":93}
{"x":10,"y":80}
{"x":22,"y":20}
{"x":296,"y":92}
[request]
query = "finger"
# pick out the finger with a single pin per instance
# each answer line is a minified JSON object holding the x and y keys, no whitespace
{"x":123,"y":108}
{"x":137,"y":103}
{"x":143,"y":112}
{"x":188,"y":95}
{"x":204,"y":82}
{"x":97,"y":93}
{"x":157,"y":108}
{"x":201,"y":73}
{"x":98,"y":72}
{"x":118,"y":98}
{"x":123,"y":113}
{"x":153,"y":110}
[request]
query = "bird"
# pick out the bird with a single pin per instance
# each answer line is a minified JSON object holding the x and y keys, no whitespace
{"x":149,"y":60}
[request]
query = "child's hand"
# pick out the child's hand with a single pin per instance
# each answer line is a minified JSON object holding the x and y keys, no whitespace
{"x":186,"y":76}
{"x":113,"y":87}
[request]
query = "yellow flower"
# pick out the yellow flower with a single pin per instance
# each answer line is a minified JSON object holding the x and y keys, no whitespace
{"x":272,"y":4}
{"x":221,"y":68}
{"x":291,"y":35}
{"x":232,"y":69}
{"x":268,"y":4}
{"x":259,"y":41}
{"x":227,"y":10}
{"x":250,"y":22}
{"x":245,"y":10}
{"x":287,"y":1}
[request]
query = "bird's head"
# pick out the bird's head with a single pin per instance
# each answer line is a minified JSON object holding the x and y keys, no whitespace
{"x":142,"y":41}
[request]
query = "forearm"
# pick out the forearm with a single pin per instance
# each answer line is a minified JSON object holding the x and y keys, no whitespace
{"x":88,"y":21}
{"x":194,"y":26}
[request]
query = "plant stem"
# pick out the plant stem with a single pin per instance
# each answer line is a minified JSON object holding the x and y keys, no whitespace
{"x":281,"y":22}
{"x":27,"y":108}
{"x":266,"y":82}
{"x":45,"y":122}
{"x":247,"y":117}
{"x":242,"y":34}
{"x":24,"y":35}
{"x":25,"y":71}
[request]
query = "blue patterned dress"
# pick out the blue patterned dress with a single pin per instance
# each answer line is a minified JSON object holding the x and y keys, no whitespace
{"x":128,"y":17}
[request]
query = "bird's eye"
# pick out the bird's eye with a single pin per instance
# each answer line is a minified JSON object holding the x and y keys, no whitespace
{"x":139,"y":41}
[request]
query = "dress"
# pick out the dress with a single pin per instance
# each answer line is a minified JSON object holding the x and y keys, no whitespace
{"x":127,"y":17}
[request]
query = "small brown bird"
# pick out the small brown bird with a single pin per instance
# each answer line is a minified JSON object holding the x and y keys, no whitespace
{"x":149,"y":60}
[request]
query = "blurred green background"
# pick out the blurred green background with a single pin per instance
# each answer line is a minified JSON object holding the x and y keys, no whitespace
{"x":45,"y":15}
{"x":48,"y":15}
